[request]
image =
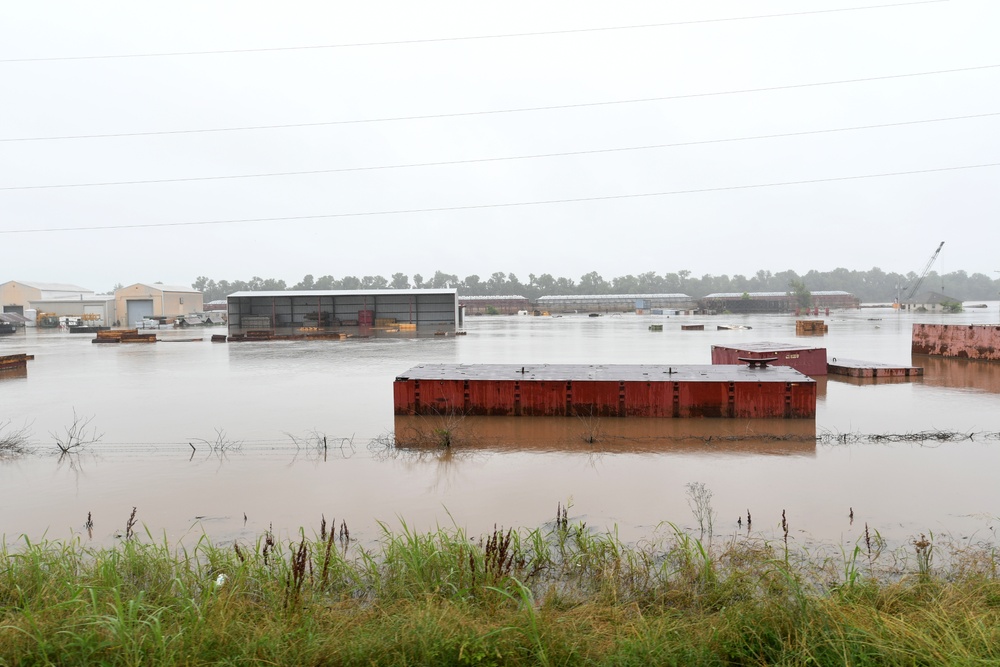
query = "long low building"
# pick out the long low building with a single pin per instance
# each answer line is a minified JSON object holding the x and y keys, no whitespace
{"x":290,"y":312}
{"x":615,"y":303}
{"x":775,"y":302}
{"x":16,"y":296}
{"x":504,"y":304}
{"x":96,"y":310}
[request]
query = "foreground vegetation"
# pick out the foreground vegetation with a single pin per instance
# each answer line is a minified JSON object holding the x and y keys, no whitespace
{"x":556,"y":596}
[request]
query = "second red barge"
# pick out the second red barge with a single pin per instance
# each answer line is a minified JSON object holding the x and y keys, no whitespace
{"x":605,"y":391}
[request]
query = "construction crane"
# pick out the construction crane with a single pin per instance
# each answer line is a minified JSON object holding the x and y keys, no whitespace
{"x":920,"y":279}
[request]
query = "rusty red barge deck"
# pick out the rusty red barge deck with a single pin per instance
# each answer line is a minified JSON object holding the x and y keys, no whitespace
{"x":551,"y":390}
{"x":810,"y":361}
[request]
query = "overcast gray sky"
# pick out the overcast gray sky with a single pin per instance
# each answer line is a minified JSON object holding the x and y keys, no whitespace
{"x":393,"y":86}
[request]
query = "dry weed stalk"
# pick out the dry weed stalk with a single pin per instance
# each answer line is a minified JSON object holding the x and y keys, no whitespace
{"x":297,"y":575}
{"x":700,"y":502}
{"x":326,"y":556}
{"x":317,"y":443}
{"x":222,"y":445}
{"x":78,"y":436}
{"x":268,"y":543}
{"x":130,"y":525}
{"x":14,"y":442}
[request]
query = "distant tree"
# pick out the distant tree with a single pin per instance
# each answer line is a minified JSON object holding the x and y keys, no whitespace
{"x":497,"y":283}
{"x":471,"y":285}
{"x":650,"y":283}
{"x":350,"y":282}
{"x":739,"y":283}
{"x":542,"y":285}
{"x":798,"y":289}
{"x":593,"y":283}
{"x":625,"y":285}
{"x":870,"y":286}
{"x":443,"y":280}
{"x":325,"y":282}
{"x":671,"y":283}
{"x":761,"y":281}
{"x":258,"y":284}
{"x":307,"y":282}
{"x":514,"y":285}
{"x":565,"y":286}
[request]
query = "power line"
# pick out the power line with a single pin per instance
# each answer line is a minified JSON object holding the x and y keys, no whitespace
{"x":553,"y":107}
{"x":473,"y":207}
{"x":541,"y":33}
{"x":496,"y":159}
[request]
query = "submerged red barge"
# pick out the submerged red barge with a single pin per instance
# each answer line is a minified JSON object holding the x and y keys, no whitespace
{"x":551,"y":390}
{"x":808,"y":360}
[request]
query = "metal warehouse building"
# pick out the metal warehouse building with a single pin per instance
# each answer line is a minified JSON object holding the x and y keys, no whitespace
{"x":288,"y":312}
{"x":615,"y":302}
{"x":775,"y":302}
{"x":135,"y":302}
{"x":17,"y":296}
{"x":506,"y":304}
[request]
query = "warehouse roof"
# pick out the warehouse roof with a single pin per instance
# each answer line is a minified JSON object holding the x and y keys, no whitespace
{"x":53,"y":287}
{"x":498,"y":297}
{"x":737,"y":295}
{"x":621,"y":297}
{"x":350,"y":292}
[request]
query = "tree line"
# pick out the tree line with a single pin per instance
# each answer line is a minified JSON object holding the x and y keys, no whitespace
{"x":873,"y":285}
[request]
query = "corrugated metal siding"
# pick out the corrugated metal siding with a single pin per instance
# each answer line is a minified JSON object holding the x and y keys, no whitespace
{"x":298,"y":309}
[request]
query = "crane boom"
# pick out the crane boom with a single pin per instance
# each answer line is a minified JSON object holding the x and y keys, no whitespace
{"x":920,"y":280}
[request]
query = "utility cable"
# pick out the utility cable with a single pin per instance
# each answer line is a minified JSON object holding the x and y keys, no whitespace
{"x":473,"y":207}
{"x":553,"y":107}
{"x":442,"y":163}
{"x":433,"y":40}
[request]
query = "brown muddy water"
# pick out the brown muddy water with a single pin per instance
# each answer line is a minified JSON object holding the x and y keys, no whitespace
{"x":267,"y":403}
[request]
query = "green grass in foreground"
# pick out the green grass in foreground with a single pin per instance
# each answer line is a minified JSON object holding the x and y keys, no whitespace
{"x":545,"y":597}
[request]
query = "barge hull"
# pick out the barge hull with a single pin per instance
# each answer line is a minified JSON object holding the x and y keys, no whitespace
{"x":605,"y":391}
{"x":963,"y":341}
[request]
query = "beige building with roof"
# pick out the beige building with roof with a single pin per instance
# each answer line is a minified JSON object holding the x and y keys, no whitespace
{"x":17,"y":295}
{"x":139,"y":300}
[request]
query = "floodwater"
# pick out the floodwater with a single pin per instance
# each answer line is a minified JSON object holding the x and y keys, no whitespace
{"x":221,"y":439}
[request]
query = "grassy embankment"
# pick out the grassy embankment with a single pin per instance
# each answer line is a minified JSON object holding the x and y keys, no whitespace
{"x":559,"y":596}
